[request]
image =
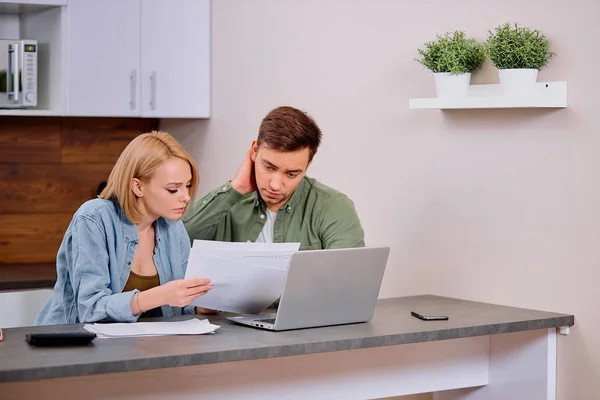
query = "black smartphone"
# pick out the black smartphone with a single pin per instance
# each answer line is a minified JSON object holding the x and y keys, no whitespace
{"x":60,"y":338}
{"x":429,"y":317}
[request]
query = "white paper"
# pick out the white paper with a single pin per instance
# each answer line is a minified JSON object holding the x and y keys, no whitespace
{"x":245,"y":246}
{"x":246,"y":277}
{"x":142,"y":329}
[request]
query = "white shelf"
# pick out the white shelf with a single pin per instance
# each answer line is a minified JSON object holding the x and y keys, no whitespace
{"x":548,"y":95}
{"x":27,"y":6}
{"x":29,"y":113}
{"x":35,"y":2}
{"x":45,"y":22}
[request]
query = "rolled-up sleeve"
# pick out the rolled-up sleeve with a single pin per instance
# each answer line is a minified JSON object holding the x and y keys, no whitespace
{"x":91,"y":278}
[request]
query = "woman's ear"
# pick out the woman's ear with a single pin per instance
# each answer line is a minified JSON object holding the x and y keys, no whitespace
{"x":136,"y":187}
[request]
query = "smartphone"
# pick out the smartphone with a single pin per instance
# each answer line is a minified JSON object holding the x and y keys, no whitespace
{"x":429,"y":317}
{"x":60,"y":338}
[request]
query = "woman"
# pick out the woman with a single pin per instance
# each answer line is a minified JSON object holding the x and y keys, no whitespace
{"x":124,"y":254}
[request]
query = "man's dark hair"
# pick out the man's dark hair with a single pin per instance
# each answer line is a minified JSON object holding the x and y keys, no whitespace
{"x":289,"y":129}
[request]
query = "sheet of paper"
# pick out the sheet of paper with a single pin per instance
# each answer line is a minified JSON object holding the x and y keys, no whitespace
{"x":142,"y":329}
{"x":246,"y":277}
{"x":237,"y":286}
{"x":245,"y":246}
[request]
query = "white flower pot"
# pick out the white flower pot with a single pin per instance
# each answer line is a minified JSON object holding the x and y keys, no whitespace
{"x":518,"y":82}
{"x":448,"y":85}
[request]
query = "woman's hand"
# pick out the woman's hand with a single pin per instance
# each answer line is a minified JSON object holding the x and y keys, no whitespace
{"x":182,"y":292}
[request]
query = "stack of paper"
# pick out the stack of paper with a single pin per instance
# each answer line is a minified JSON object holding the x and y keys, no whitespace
{"x":246,"y":277}
{"x":142,"y":329}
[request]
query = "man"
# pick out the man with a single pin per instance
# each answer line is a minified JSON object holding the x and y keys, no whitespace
{"x":272,"y":200}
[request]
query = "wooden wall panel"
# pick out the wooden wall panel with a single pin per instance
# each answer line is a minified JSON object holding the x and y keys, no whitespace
{"x":35,"y":142}
{"x":48,"y":168}
{"x":31,"y":238}
{"x":49,"y":188}
{"x":89,"y":140}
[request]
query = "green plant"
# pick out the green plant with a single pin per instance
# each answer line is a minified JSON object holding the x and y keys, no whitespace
{"x":452,"y":52}
{"x":3,"y":81}
{"x":3,"y":88}
{"x":517,"y":47}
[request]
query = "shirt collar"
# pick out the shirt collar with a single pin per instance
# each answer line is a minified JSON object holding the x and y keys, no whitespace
{"x":129,"y":229}
{"x":291,"y":203}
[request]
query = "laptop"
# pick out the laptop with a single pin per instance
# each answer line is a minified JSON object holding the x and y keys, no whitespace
{"x":326,"y":287}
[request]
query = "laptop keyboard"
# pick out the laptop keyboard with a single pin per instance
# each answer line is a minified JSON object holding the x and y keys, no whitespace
{"x":267,"y":320}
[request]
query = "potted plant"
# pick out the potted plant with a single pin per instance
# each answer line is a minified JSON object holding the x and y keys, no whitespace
{"x":452,"y":57}
{"x":3,"y":82}
{"x":519,"y":53}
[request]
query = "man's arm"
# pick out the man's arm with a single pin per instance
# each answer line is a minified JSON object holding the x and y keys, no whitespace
{"x":340,"y":226}
{"x":203,"y":218}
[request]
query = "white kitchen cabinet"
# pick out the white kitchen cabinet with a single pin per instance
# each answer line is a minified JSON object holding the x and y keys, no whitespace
{"x":103,"y":58}
{"x":175,"y":58}
{"x":145,"y":58}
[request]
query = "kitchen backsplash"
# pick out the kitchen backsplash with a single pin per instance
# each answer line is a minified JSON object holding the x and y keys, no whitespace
{"x":48,"y":168}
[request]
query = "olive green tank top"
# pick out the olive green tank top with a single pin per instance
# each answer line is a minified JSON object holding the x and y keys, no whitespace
{"x":141,"y":282}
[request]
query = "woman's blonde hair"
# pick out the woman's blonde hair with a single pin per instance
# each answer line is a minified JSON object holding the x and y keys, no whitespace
{"x":139,"y":160}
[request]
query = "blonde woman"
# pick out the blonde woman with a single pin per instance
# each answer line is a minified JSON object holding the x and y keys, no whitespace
{"x":124,"y":255}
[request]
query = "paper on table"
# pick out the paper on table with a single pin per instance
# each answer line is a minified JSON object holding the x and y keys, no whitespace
{"x":143,"y":329}
{"x":246,"y":277}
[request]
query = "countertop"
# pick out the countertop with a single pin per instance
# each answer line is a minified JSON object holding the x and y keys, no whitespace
{"x":27,"y":276}
{"x":392,"y":324}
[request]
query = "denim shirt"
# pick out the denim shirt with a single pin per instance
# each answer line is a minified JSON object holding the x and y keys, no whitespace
{"x":94,"y":262}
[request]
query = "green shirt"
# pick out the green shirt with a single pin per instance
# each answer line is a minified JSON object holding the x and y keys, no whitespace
{"x":317,"y":216}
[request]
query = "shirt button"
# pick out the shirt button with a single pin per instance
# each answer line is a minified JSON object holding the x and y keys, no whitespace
{"x":128,"y":262}
{"x":204,"y":202}
{"x":135,"y":242}
{"x":224,"y":187}
{"x":262,"y":216}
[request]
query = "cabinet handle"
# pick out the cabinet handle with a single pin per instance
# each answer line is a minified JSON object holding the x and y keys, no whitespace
{"x":132,"y":85}
{"x":153,"y":90}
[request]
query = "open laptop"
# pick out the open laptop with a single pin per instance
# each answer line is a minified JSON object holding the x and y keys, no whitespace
{"x":326,"y":287}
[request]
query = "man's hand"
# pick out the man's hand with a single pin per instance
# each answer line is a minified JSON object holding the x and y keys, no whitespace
{"x":245,"y":180}
{"x":202,"y":310}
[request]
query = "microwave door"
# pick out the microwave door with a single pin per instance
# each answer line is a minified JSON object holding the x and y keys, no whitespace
{"x":13,"y":82}
{"x":9,"y":74}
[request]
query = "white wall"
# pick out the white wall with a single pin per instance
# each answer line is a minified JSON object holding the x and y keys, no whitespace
{"x":500,"y":206}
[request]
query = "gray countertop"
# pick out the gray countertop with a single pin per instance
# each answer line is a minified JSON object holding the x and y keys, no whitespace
{"x":392,"y":324}
{"x":27,"y":276}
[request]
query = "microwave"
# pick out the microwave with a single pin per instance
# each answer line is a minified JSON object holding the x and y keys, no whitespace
{"x":18,"y":73}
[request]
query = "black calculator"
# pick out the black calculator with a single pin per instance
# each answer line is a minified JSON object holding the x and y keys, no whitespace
{"x":60,"y":338}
